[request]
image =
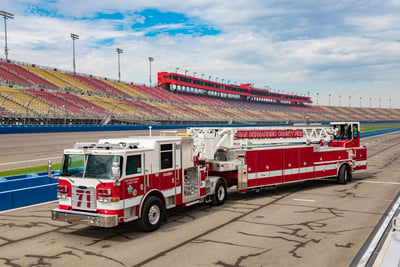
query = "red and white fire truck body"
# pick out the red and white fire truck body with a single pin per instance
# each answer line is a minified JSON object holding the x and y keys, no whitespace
{"x":120,"y":180}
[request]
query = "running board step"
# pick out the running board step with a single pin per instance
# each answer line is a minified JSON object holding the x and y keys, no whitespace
{"x":192,"y":203}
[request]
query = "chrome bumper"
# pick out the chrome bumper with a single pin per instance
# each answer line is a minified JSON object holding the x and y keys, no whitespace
{"x":94,"y":219}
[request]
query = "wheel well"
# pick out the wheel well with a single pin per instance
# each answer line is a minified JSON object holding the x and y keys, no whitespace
{"x":224,"y":181}
{"x":153,"y":193}
{"x":214,"y":180}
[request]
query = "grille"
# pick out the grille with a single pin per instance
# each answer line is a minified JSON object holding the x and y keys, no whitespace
{"x":83,"y":198}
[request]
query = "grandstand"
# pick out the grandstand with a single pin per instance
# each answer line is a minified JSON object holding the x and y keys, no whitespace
{"x":33,"y":94}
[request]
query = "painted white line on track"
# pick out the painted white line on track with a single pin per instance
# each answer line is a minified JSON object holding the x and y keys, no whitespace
{"x":31,"y":160}
{"x":304,"y":200}
{"x":379,"y":182}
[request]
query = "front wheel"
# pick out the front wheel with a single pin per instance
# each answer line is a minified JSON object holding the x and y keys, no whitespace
{"x":152,"y":214}
{"x":220,"y":193}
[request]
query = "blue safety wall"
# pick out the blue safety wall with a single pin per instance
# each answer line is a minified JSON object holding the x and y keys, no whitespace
{"x":23,"y":190}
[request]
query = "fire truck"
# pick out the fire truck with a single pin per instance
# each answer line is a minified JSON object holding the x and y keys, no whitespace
{"x":114,"y":181}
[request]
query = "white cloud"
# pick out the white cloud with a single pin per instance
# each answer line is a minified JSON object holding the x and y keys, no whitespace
{"x":375,"y":23}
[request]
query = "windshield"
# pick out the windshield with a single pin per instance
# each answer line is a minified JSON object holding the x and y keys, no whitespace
{"x":89,"y":166}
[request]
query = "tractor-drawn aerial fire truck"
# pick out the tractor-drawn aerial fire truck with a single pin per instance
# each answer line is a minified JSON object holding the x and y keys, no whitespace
{"x":113,"y":181}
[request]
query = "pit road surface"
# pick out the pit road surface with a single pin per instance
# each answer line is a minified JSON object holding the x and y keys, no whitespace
{"x":315,"y":223}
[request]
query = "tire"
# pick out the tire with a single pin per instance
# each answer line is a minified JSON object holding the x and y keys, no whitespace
{"x":344,"y":176}
{"x":220,"y":193}
{"x":152,"y":214}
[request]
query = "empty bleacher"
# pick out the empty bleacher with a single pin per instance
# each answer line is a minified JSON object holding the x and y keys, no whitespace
{"x":47,"y":76}
{"x":29,"y":101}
{"x":112,"y":106}
{"x":60,"y":103}
{"x":145,"y":111}
{"x":109,"y":89}
{"x":11,"y":78}
{"x":127,"y":89}
{"x":8,"y":106}
{"x":72,"y":82}
{"x":89,"y":108}
{"x":26,"y":75}
{"x":89,"y":82}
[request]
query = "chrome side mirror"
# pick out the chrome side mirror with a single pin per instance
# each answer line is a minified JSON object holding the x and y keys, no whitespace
{"x":116,"y":171}
{"x":49,"y":173}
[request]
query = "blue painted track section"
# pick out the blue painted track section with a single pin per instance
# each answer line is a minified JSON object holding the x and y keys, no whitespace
{"x":24,"y":190}
{"x":378,"y":132}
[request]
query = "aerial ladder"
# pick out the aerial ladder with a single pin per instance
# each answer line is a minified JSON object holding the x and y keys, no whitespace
{"x":207,"y":140}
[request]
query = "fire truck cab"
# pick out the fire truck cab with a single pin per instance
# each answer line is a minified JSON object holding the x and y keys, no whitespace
{"x":121,"y":180}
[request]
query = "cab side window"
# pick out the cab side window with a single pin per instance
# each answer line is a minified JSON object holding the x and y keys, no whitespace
{"x":134,"y":164}
{"x":355,"y":131}
{"x":166,"y":156}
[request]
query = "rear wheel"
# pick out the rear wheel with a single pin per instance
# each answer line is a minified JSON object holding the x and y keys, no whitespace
{"x":220,"y":194}
{"x":152,"y":214}
{"x":344,"y":176}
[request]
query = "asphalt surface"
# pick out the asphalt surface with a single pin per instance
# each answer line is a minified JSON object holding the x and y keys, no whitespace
{"x":315,"y":223}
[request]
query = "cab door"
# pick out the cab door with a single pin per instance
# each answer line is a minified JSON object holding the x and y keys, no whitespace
{"x":167,"y":173}
{"x":134,"y":184}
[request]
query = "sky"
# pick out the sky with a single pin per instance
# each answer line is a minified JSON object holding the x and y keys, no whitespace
{"x":340,"y":53}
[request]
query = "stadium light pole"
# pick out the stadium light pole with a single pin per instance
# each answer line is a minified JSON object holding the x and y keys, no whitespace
{"x":340,"y":100}
{"x":390,"y":103}
{"x":186,"y":71}
{"x":329,"y":99}
{"x":317,"y":98}
{"x":202,"y":75}
{"x":119,"y":51}
{"x":349,"y":100}
{"x":176,"y":70}
{"x":380,"y":102}
{"x":74,"y":37}
{"x":360,"y":101}
{"x":209,"y":77}
{"x":151,"y":59}
{"x":370,"y":102}
{"x":194,"y":74}
{"x":6,"y":16}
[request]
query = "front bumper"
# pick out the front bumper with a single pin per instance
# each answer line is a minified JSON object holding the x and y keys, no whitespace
{"x":94,"y":219}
